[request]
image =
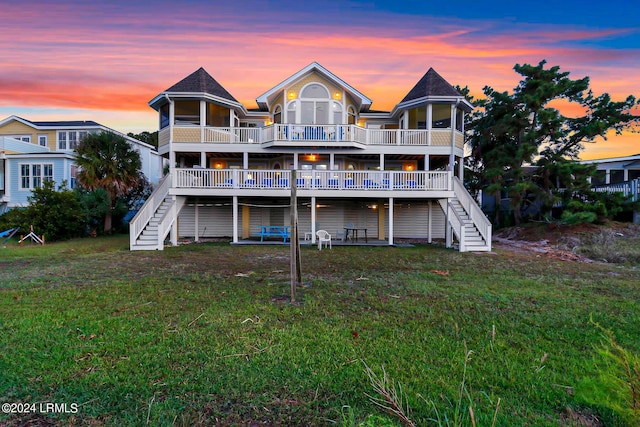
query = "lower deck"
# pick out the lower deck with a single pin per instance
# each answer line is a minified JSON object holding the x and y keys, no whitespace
{"x":203,"y":217}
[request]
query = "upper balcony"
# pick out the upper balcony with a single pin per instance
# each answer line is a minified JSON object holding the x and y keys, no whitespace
{"x":312,"y":136}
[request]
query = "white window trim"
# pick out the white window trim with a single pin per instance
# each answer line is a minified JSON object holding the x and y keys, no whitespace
{"x":31,"y":176}
{"x":330,"y":100}
{"x":79,"y":136}
{"x":46,"y":140}
{"x":58,"y":140}
{"x":23,"y":138}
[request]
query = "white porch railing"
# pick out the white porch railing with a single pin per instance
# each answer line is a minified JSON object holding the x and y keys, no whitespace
{"x":302,"y":133}
{"x":478,"y":217}
{"x":313,"y":179}
{"x":140,"y":221}
{"x":628,"y":188}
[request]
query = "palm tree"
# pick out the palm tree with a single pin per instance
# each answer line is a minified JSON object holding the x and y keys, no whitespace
{"x":106,"y":160}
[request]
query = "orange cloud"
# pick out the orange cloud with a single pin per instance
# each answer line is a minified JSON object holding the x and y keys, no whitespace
{"x":72,"y":57}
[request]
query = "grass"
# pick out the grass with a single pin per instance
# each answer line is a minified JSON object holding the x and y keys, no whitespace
{"x":204,"y":334}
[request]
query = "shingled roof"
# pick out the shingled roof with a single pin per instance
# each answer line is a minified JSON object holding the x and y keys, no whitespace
{"x":431,"y":84}
{"x":201,"y":82}
{"x":67,"y":123}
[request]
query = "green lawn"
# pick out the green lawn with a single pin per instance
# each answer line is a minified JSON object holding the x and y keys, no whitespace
{"x":205,"y":334}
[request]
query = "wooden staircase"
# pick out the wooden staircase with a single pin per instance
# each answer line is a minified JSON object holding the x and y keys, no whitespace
{"x":466,"y":221}
{"x":151,"y":225}
{"x":149,"y":238}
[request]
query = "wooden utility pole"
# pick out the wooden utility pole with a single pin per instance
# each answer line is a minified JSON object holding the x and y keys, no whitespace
{"x":296,"y":268}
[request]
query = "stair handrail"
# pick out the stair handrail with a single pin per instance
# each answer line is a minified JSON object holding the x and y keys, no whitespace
{"x":165,"y":222}
{"x":146,"y":212}
{"x":476,"y":215}
{"x":456,"y":224}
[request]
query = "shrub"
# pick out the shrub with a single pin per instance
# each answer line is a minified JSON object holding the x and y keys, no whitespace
{"x":57,"y":215}
{"x":593,"y":207}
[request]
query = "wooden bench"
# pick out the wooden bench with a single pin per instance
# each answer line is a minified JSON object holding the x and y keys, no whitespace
{"x":275,"y":231}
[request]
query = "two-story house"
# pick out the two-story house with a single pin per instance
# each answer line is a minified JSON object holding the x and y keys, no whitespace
{"x":396,"y":173}
{"x":34,"y":152}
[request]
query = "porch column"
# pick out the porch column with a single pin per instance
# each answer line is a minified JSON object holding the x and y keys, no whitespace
{"x":381,"y":235}
{"x":313,"y":219}
{"x":245,"y":160}
{"x":196,"y":222}
{"x":295,"y":161}
{"x":429,"y":122}
{"x":462,"y":158}
{"x":332,"y":160}
{"x":426,"y":162}
{"x":452,"y":159}
{"x":235,"y":219}
{"x":429,"y":232}
{"x":447,"y":229}
{"x":390,"y":221}
{"x":172,"y":161}
{"x":607,"y":176}
{"x":381,"y":162}
{"x":461,"y":168}
{"x":405,"y":125}
{"x":626,"y":175}
{"x":174,"y":228}
{"x":203,"y":160}
{"x":172,"y":154}
{"x":203,"y":119}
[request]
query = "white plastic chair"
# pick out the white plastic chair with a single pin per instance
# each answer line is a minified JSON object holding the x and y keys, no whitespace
{"x":323,"y":236}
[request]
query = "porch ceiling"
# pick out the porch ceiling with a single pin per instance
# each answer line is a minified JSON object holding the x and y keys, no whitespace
{"x":371,"y":157}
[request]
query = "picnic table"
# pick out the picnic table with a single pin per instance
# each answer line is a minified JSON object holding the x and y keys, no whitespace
{"x":354,"y":233}
{"x":275,"y":231}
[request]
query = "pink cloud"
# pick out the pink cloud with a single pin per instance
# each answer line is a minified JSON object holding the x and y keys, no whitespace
{"x":74,"y":57}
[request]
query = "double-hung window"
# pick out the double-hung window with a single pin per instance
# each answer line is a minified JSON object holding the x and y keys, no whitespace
{"x":62,"y":140}
{"x":69,"y":140}
{"x":35,"y":175}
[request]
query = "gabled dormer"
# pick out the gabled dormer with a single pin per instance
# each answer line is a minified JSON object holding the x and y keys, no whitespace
{"x":432,"y":104}
{"x":313,"y":95}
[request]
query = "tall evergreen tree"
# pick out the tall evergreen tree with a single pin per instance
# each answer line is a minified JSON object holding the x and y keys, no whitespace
{"x":526,"y":128}
{"x":107,"y":161}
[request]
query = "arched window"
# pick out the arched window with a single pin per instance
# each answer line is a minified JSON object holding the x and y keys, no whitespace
{"x":277,"y":114}
{"x":291,"y":112}
{"x":337,"y":112}
{"x":315,"y":90}
{"x":315,"y":102}
{"x":351,"y":115}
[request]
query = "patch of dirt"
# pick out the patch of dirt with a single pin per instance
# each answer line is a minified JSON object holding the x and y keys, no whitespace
{"x":556,"y":241}
{"x":580,"y":418}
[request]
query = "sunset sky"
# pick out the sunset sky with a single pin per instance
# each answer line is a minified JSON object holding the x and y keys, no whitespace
{"x":104,"y":60}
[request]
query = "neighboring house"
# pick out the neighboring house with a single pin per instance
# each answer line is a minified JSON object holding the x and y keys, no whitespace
{"x":32,"y":153}
{"x":615,"y":170}
{"x":396,"y":173}
{"x":618,"y":174}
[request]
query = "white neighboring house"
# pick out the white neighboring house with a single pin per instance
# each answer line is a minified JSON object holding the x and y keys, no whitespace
{"x":34,"y":152}
{"x":618,"y":175}
{"x":616,"y":170}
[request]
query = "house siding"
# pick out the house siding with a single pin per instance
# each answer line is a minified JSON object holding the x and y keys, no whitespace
{"x":411,"y":218}
{"x":19,"y":196}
